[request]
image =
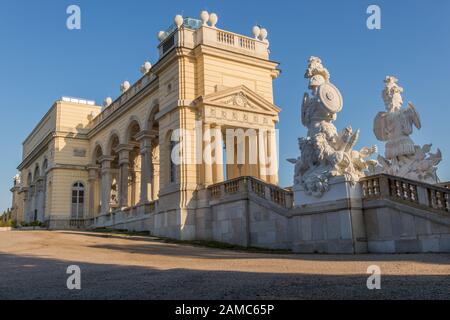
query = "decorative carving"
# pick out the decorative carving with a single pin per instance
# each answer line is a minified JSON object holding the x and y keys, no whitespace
{"x":239,"y":100}
{"x":325,"y":152}
{"x":402,"y":157}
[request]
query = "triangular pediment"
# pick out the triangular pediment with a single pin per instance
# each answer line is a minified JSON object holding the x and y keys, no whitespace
{"x":241,"y":98}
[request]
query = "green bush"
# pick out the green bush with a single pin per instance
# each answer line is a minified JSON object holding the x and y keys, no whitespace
{"x":5,"y":224}
{"x":35,"y":224}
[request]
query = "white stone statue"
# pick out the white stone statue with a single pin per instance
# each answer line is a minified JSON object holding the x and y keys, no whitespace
{"x":114,"y":198}
{"x":325,"y":153}
{"x":402,"y":157}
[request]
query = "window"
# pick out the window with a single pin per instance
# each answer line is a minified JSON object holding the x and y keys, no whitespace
{"x":173,"y":167}
{"x":77,"y":201}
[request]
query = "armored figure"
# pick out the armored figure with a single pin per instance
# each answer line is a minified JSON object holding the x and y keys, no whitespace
{"x":394,"y":126}
{"x":325,"y":152}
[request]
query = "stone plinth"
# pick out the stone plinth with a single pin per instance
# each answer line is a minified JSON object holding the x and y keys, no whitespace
{"x":339,"y":189}
{"x":331,"y":224}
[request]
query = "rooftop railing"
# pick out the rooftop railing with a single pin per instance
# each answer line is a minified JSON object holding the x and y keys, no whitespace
{"x":123,"y":98}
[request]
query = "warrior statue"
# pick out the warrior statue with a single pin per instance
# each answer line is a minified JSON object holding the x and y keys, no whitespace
{"x":402,"y":157}
{"x":325,"y":152}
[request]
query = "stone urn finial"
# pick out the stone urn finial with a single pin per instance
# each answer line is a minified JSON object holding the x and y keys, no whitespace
{"x":124,"y":86}
{"x":178,"y":20}
{"x":256,"y":32}
{"x":107,"y":102}
{"x":162,"y":35}
{"x":204,"y":16}
{"x":213,"y":19}
{"x":146,"y":67}
{"x":263,"y":34}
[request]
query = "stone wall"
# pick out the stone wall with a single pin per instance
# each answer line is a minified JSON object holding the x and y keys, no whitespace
{"x":393,"y":215}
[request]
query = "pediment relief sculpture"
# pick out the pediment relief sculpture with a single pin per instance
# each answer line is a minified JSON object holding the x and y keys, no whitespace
{"x":241,"y":98}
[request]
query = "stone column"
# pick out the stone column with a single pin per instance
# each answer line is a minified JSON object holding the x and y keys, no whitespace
{"x":106,"y":183}
{"x":262,"y":154}
{"x":207,"y":166}
{"x":145,"y":139}
{"x":92,"y":179}
{"x":124,"y":165}
{"x":218,"y":150}
{"x":272,"y":166}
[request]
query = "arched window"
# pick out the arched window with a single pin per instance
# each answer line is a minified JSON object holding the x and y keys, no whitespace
{"x":36,"y":173}
{"x":29,"y":179}
{"x":77,"y":201}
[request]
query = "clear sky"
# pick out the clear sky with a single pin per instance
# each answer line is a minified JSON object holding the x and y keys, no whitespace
{"x":41,"y":60}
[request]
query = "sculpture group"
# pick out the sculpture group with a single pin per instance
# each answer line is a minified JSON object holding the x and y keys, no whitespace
{"x":327,"y":153}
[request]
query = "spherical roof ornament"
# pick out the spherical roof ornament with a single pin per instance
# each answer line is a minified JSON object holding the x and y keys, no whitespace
{"x":263,"y":34}
{"x":146,"y":67}
{"x":213,"y":19}
{"x":107,"y":102}
{"x":162,"y":35}
{"x":124,"y":86}
{"x":204,"y":16}
{"x":178,"y":20}
{"x":256,"y":31}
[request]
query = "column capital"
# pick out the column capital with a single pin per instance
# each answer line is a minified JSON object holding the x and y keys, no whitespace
{"x":147,"y":134}
{"x":93,"y":167}
{"x":103,"y":159}
{"x":123,"y":148}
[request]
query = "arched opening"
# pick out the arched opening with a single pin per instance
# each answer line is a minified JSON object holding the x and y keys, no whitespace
{"x":134,"y":172}
{"x":36,"y":173}
{"x":44,"y":204}
{"x":154,"y":165}
{"x":29,"y":179}
{"x":113,"y":182}
{"x":29,"y":200}
{"x":95,"y":183}
{"x":171,"y":166}
{"x":77,"y":211}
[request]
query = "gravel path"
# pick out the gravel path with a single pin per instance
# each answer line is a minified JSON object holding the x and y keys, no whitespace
{"x":33,"y":265}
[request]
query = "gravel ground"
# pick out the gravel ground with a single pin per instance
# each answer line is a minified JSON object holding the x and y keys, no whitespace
{"x":33,"y":265}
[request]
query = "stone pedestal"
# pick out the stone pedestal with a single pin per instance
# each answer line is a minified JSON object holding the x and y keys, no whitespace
{"x":333,"y":223}
{"x":339,"y":189}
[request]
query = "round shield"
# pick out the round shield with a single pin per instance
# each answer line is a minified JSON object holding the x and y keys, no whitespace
{"x":330,"y":97}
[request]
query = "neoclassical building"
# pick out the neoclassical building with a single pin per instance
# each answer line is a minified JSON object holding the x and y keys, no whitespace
{"x":86,"y":165}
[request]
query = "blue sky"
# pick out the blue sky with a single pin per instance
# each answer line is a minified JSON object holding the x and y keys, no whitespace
{"x":41,"y":60}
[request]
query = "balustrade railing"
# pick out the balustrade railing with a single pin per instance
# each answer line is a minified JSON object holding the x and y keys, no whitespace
{"x":405,"y":190}
{"x":275,"y":194}
{"x":122,"y":99}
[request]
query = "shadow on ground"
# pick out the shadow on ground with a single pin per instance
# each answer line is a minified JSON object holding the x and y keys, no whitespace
{"x":24,"y":277}
{"x":155,"y":246}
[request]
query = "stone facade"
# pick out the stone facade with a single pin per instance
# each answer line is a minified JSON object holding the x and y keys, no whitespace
{"x":84,"y":165}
